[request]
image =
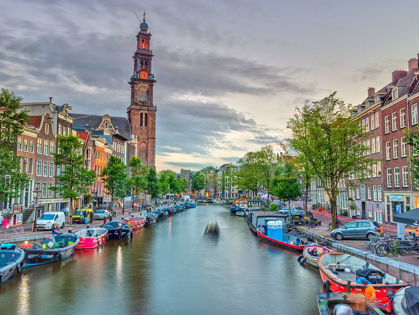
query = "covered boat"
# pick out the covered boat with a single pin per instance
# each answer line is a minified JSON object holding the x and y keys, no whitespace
{"x":92,"y":238}
{"x":136,"y":222}
{"x":327,"y":302}
{"x":256,"y":218}
{"x":287,"y":241}
{"x":118,"y":229}
{"x":52,"y":249}
{"x":11,"y":260}
{"x":406,"y":301}
{"x":342,"y":271}
{"x":312,"y":253}
{"x":237,"y":209}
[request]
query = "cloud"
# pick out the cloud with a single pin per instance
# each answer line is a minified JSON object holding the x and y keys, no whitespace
{"x":370,"y":73}
{"x":189,"y":165}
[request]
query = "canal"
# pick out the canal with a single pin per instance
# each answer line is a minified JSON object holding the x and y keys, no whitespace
{"x":171,"y":268}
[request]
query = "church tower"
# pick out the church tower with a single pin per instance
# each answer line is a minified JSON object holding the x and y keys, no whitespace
{"x":142,"y":112}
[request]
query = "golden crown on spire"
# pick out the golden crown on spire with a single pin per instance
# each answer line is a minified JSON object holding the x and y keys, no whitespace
{"x":144,"y":15}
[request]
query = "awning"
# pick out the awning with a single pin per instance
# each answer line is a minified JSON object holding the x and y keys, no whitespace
{"x":409,"y":217}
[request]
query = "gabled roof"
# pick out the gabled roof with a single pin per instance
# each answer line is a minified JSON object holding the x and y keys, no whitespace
{"x":35,"y":121}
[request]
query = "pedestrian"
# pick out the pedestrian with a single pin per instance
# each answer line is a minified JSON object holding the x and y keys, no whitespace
{"x":4,"y":222}
{"x":56,"y":230}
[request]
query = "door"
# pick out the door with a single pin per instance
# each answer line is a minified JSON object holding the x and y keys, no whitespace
{"x":362,"y":229}
{"x":363,"y":213}
{"x":349,"y":230}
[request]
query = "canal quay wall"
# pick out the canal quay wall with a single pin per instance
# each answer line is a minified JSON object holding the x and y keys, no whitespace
{"x":401,"y":270}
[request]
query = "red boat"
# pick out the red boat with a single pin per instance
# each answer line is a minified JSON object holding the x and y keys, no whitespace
{"x":92,"y":238}
{"x":343,"y":271}
{"x":136,"y":223}
{"x":288,"y":241}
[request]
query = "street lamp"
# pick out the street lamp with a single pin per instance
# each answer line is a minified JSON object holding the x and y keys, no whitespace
{"x":36,"y":194}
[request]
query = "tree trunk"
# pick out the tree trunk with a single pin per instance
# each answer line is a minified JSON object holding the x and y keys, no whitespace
{"x":306,"y":199}
{"x":289,"y":213}
{"x":333,"y":212}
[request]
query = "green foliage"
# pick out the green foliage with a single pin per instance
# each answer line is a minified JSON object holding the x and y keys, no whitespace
{"x":164,"y":186}
{"x":12,"y":120}
{"x":198,"y":181}
{"x":412,"y":137}
{"x":115,"y":178}
{"x":152,"y":183}
{"x":248,"y":178}
{"x":285,"y":184}
{"x":184,"y":184}
{"x":138,"y":180}
{"x":74,"y":179}
{"x":88,"y":198}
{"x":273,"y":207}
{"x":326,"y":138}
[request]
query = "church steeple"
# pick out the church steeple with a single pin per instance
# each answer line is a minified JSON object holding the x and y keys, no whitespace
{"x":142,"y":112}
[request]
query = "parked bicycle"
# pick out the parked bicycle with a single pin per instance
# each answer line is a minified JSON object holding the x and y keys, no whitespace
{"x":313,"y":224}
{"x":393,"y":246}
{"x":338,"y":225}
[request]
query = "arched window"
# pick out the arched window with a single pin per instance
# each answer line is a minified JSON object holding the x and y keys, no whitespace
{"x":145,"y":44}
{"x":142,"y":44}
{"x":141,"y":119}
{"x":145,"y":122}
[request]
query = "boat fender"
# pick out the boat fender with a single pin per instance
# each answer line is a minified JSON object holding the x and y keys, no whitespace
{"x":300,"y":257}
{"x":303,"y":261}
{"x":18,"y":268}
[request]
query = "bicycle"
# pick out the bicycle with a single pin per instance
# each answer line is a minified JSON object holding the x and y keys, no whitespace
{"x":338,"y":225}
{"x":313,"y":225}
{"x":393,"y":246}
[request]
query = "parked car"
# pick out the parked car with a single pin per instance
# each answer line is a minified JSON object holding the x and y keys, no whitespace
{"x":357,"y":229}
{"x":80,"y":215}
{"x":48,"y":219}
{"x":101,"y":214}
{"x":286,"y":210}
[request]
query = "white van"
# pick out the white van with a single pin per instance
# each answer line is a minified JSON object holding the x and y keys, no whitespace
{"x":48,"y":219}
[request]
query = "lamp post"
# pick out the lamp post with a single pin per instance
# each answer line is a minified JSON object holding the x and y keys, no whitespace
{"x":36,"y":194}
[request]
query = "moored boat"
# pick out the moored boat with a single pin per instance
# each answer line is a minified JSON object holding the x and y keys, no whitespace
{"x":406,"y":301}
{"x":136,"y":222}
{"x":327,"y":302}
{"x":312,"y":253}
{"x":92,"y":238}
{"x":256,"y":218}
{"x":237,"y":209}
{"x":342,"y":271}
{"x":55,"y":248}
{"x":11,"y":260}
{"x":118,"y":229}
{"x":287,"y":241}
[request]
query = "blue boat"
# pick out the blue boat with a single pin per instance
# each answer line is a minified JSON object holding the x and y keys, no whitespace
{"x":11,"y":260}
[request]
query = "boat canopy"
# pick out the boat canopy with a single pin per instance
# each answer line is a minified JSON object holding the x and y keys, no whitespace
{"x":410,"y":302}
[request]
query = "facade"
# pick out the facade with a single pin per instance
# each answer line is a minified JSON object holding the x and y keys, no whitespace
{"x":142,"y":111}
{"x":226,"y":188}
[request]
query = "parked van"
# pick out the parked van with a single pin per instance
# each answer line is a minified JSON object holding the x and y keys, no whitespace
{"x":48,"y":219}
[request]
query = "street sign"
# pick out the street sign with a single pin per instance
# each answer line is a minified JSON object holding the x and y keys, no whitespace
{"x":35,"y":204}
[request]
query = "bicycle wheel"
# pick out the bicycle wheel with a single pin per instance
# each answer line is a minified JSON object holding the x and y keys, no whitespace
{"x":316,"y":226}
{"x":371,"y":246}
{"x":382,"y":250}
{"x":415,"y":249}
{"x":404,"y":248}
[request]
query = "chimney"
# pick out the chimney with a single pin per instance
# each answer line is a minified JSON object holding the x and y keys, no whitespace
{"x":371,"y":91}
{"x":50,"y":99}
{"x":397,"y":75}
{"x":412,"y":64}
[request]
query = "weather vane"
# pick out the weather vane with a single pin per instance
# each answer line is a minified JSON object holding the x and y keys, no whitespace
{"x":144,"y":15}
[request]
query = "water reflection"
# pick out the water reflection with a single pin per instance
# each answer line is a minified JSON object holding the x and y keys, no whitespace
{"x":118,"y":266}
{"x":24,"y":295}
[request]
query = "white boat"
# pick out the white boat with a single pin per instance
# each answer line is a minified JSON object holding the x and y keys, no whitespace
{"x":406,"y":301}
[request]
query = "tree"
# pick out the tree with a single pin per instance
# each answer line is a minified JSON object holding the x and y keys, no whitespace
{"x":152,"y":183}
{"x":198,"y":181}
{"x":285,"y":184}
{"x":88,"y":198}
{"x":266,"y":161}
{"x":138,"y":179}
{"x":184,"y":185}
{"x":164,"y":186}
{"x":74,"y":179}
{"x":412,"y":137}
{"x":12,"y":120}
{"x":325,"y":136}
{"x":115,"y":177}
{"x":306,"y":173}
{"x":248,"y":177}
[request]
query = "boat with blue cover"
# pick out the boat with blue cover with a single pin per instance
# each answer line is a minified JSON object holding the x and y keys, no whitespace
{"x":11,"y":260}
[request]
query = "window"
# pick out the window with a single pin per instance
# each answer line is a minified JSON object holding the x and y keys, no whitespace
{"x":367,"y":125}
{"x":146,"y":120}
{"x":25,"y":145}
{"x":368,"y":147}
{"x":414,"y":114}
{"x":44,"y":190}
{"x":403,"y":145}
{"x":363,"y":224}
{"x":38,"y":186}
{"x":389,"y":179}
{"x":380,"y":195}
{"x":387,"y":124}
{"x":396,"y":177}
{"x":46,"y":147}
{"x":363,"y":124}
{"x":50,"y":192}
{"x":60,"y":129}
{"x":395,"y":149}
{"x":19,"y":144}
{"x":357,"y":193}
{"x":51,"y":148}
{"x":38,"y":168}
{"x":39,"y":148}
{"x":45,"y":169}
{"x":46,"y":129}
{"x":377,"y":144}
{"x":394,"y":94}
{"x":372,"y":122}
{"x":25,"y":164}
{"x":51,"y":169}
{"x":372,"y":145}
{"x":377,"y":120}
{"x":31,"y":146}
{"x":351,"y":225}
{"x":375,"y":193}
{"x":30,"y":171}
{"x":378,"y":169}
{"x":394,"y":121}
{"x":405,"y":176}
{"x":141,"y":119}
{"x":402,"y":118}
{"x":388,"y":153}
{"x":369,"y":192}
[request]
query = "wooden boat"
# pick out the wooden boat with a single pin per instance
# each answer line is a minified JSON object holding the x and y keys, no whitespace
{"x":55,"y":248}
{"x":11,"y":260}
{"x":118,"y":229}
{"x":342,"y":272}
{"x":326,"y":303}
{"x":237,"y":210}
{"x":92,"y":238}
{"x":406,"y":301}
{"x":311,"y":259}
{"x":137,"y":222}
{"x":288,"y":241}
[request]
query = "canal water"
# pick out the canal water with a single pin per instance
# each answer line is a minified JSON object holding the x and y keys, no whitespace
{"x":171,"y":268}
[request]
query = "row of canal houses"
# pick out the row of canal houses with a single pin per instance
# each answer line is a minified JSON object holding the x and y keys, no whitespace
{"x":386,"y":114}
{"x":101,"y":136}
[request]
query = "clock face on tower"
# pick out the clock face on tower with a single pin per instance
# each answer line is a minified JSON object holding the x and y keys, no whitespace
{"x":143,"y":75}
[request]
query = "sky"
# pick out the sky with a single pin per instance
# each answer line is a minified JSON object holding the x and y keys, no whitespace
{"x":229,"y":73}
